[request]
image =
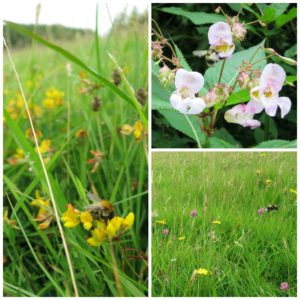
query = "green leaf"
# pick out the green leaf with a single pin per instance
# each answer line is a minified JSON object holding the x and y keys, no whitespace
{"x":239,"y":97}
{"x":198,"y":18}
{"x":181,"y":58}
{"x":215,"y":142}
{"x":75,"y":60}
{"x":160,"y":96}
{"x":278,"y":144}
{"x":291,"y":52}
{"x":226,"y":137}
{"x":180,"y":123}
{"x":285,"y":18}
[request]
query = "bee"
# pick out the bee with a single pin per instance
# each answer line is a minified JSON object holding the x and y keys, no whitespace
{"x":101,"y":210}
{"x":271,"y":207}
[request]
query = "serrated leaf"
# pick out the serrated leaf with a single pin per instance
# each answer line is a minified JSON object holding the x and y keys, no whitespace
{"x":198,"y":18}
{"x":182,"y":59}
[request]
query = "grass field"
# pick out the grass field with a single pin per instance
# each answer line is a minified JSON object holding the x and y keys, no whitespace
{"x":85,"y":147}
{"x":209,"y":239}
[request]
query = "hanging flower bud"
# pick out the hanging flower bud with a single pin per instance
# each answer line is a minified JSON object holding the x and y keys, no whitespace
{"x":157,"y":51}
{"x":166,"y":76}
{"x":243,"y":79}
{"x":219,"y":93}
{"x":239,"y":31}
{"x":116,"y":77}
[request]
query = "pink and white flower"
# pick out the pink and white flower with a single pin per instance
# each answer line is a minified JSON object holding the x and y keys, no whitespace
{"x":187,"y":85}
{"x":242,"y":114}
{"x":220,"y":38}
{"x":266,"y":94}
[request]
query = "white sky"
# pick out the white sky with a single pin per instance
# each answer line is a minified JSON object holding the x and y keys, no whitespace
{"x":71,"y":13}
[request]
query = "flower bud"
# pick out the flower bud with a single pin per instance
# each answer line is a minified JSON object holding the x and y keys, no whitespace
{"x":219,"y":93}
{"x":243,"y":79}
{"x":238,"y":31}
{"x":96,"y":104}
{"x":166,"y":76}
{"x":141,"y":96}
{"x":157,"y":51}
{"x":116,"y":77}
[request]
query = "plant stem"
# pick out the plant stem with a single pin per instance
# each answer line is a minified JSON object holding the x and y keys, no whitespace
{"x":116,"y":271}
{"x":194,"y":131}
{"x":222,"y":69}
{"x":270,"y":55}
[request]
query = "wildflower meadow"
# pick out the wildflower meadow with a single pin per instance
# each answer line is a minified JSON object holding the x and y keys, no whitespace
{"x":76,"y":159}
{"x":224,"y":75}
{"x":224,"y":224}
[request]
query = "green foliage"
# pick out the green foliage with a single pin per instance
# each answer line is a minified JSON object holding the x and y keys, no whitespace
{"x":246,"y":255}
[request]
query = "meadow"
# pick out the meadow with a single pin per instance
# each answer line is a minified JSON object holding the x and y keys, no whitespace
{"x":224,"y":224}
{"x":87,"y":99}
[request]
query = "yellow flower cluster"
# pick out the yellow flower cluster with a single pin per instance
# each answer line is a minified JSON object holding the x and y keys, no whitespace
{"x":100,"y":231}
{"x":54,"y":98}
{"x":137,"y":130}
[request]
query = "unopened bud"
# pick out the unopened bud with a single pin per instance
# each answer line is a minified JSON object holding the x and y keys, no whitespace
{"x":243,"y":79}
{"x":116,"y":77}
{"x":166,"y":76}
{"x":239,"y":31}
{"x":157,"y":51}
{"x":141,"y":96}
{"x":96,"y":104}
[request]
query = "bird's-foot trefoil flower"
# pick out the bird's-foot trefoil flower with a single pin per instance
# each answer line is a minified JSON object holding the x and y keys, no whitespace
{"x":221,"y":40}
{"x":266,"y":94}
{"x":184,"y":99}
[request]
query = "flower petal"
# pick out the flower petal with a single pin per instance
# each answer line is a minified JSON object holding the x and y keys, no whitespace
{"x":285,"y":105}
{"x":219,"y":32}
{"x":270,"y":106}
{"x":193,"y":81}
{"x":273,"y":75}
{"x":254,"y":107}
{"x":188,"y":106}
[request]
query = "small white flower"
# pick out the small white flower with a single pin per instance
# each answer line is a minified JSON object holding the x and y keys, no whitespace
{"x":266,"y":94}
{"x":220,"y":38}
{"x":187,"y":85}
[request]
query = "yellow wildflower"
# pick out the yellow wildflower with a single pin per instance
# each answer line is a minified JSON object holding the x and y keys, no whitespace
{"x":37,"y":110}
{"x":9,"y":221}
{"x":263,"y":154}
{"x":71,"y":217}
{"x":161,"y":222}
{"x":49,"y":103}
{"x":18,"y":156}
{"x":99,"y":235}
{"x":129,"y":220}
{"x":45,"y":146}
{"x":138,"y":130}
{"x":54,"y":98}
{"x":268,"y":181}
{"x":293,"y":191}
{"x":86,"y":219}
{"x":126,"y":129}
{"x":202,"y":271}
{"x":113,"y":226}
{"x":216,"y":222}
{"x":19,"y":153}
{"x":181,"y":238}
{"x":44,"y":215}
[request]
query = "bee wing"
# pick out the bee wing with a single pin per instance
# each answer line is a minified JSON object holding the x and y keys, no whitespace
{"x":94,"y":206}
{"x":93,"y":197}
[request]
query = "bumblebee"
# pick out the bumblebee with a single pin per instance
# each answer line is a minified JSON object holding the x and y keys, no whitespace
{"x":271,"y":207}
{"x":101,"y":210}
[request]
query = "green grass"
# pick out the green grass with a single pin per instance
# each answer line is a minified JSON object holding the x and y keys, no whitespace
{"x":35,"y":260}
{"x":247,"y":254}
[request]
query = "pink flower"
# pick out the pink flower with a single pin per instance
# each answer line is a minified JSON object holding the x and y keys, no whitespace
{"x":266,"y":94}
{"x":165,"y":231}
{"x":194,"y":213}
{"x":261,"y":211}
{"x":284,"y":286}
{"x":220,"y":38}
{"x":187,"y":85}
{"x":242,"y":114}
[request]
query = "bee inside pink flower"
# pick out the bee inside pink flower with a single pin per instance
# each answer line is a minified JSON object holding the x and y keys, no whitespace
{"x":194,"y":213}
